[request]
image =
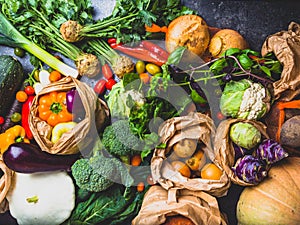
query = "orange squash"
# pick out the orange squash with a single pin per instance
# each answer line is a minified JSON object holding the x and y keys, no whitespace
{"x":276,"y":200}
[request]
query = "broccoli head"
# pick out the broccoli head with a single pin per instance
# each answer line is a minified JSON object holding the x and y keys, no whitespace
{"x":98,"y":173}
{"x":87,"y":178}
{"x":119,"y":140}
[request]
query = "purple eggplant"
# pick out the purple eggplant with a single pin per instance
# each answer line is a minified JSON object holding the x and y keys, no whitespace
{"x":29,"y":158}
{"x":270,"y":151}
{"x":250,"y":169}
{"x":74,"y":102}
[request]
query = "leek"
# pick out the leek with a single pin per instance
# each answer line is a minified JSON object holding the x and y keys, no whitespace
{"x":13,"y":38}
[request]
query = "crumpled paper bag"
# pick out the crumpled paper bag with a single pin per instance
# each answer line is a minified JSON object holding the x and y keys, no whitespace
{"x":224,"y":150}
{"x":84,"y":133}
{"x":286,"y":47}
{"x":194,"y":126}
{"x":158,"y":204}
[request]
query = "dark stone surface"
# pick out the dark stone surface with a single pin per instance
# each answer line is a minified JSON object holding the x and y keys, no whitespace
{"x":255,"y":20}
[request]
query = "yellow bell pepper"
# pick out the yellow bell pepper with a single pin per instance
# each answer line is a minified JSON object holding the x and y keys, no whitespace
{"x":12,"y":135}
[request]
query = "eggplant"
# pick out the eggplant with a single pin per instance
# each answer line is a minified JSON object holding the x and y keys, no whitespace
{"x":74,"y":102}
{"x":29,"y":158}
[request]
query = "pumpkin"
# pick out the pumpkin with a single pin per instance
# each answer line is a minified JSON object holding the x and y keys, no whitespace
{"x":276,"y":200}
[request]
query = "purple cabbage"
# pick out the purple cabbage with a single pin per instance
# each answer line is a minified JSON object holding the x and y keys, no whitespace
{"x":270,"y":151}
{"x":250,"y":169}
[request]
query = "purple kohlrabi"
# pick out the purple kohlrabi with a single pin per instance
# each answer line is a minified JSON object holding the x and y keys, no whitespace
{"x":250,"y":169}
{"x":270,"y":151}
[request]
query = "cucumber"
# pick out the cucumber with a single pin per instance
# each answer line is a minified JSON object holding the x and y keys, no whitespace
{"x":11,"y":78}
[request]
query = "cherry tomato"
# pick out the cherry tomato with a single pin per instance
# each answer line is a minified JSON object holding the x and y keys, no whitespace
{"x":21,"y":96}
{"x":111,"y":40}
{"x":136,"y":160}
{"x":99,"y":88}
{"x":55,"y":76}
{"x":29,"y":90}
{"x":220,"y":116}
{"x":2,"y":120}
{"x":110,"y":83}
{"x":15,"y":117}
{"x":140,"y":187}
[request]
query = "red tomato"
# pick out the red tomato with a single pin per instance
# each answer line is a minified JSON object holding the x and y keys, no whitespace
{"x":2,"y":120}
{"x":99,"y":88}
{"x":111,"y":40}
{"x":110,"y":83}
{"x":29,"y":90}
{"x":107,"y":72}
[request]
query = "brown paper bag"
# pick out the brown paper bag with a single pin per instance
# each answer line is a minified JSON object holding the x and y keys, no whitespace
{"x":224,"y":149}
{"x":286,"y":47}
{"x":158,"y":204}
{"x":194,"y":126}
{"x":84,"y":133}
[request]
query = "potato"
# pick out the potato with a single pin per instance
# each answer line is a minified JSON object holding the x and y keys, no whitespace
{"x":185,"y":147}
{"x":190,"y":31}
{"x":289,"y":134}
{"x":225,"y":39}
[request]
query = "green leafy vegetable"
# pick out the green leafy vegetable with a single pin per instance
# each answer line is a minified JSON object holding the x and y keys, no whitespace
{"x":128,"y":19}
{"x":12,"y":37}
{"x":40,"y":22}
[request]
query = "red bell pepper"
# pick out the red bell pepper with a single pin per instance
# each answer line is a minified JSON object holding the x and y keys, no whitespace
{"x":140,"y":53}
{"x":25,"y":116}
{"x":155,"y":49}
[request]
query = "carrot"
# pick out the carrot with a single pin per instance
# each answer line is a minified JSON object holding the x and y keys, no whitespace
{"x":154,"y":28}
{"x":281,"y":106}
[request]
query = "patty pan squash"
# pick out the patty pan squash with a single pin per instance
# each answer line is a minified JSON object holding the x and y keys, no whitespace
{"x":46,"y":198}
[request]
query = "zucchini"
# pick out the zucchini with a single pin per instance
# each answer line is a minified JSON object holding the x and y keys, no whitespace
{"x":11,"y":78}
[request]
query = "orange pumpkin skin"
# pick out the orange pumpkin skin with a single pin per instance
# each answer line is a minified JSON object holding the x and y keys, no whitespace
{"x":276,"y":200}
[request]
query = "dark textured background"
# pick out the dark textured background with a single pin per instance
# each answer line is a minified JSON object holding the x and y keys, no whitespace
{"x":255,"y":20}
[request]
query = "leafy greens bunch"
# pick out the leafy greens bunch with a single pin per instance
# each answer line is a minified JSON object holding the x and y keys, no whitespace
{"x":127,"y":21}
{"x":39,"y":21}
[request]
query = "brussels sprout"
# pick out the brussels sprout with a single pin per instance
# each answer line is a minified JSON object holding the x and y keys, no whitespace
{"x":245,"y":99}
{"x":245,"y":135}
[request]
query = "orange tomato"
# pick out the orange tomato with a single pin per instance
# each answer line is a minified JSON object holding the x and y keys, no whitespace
{"x":145,"y":78}
{"x":140,"y":187}
{"x":21,"y":96}
{"x":55,"y":76}
{"x":182,"y":168}
{"x":211,"y":172}
{"x":136,"y":160}
{"x":197,"y":161}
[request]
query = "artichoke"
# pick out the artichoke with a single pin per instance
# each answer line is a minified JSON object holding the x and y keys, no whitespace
{"x":245,"y":99}
{"x":245,"y":135}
